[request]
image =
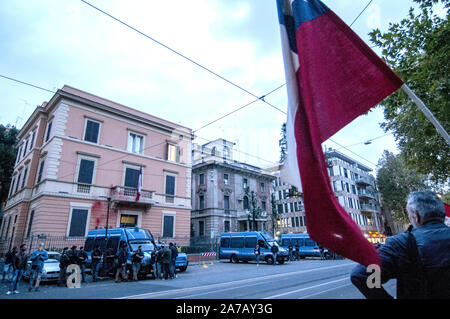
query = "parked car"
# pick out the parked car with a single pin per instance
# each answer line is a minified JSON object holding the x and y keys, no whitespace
{"x":51,"y":268}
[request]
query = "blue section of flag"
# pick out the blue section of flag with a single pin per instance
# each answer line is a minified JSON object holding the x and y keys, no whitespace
{"x":301,"y":11}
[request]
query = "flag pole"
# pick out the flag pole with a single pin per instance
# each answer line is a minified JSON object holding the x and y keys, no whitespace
{"x":427,"y":113}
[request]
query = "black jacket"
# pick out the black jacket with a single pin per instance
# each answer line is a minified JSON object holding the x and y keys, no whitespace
{"x":64,"y":260}
{"x":9,"y":257}
{"x":73,"y":256}
{"x":20,"y":261}
{"x":174,"y":253}
{"x":82,"y":257}
{"x":424,"y":276}
{"x":123,"y":255}
{"x":135,"y":256}
{"x":96,"y":255}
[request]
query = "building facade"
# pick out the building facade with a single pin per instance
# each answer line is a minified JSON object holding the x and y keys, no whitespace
{"x":226,"y":195}
{"x":354,"y":188}
{"x":79,"y":164}
{"x":356,"y":191}
{"x":289,"y":214}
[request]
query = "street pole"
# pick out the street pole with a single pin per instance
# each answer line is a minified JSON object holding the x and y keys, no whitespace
{"x":427,"y":113}
{"x":107,"y":218}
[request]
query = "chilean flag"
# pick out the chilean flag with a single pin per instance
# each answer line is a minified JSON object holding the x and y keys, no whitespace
{"x":332,"y":78}
{"x":139,"y":185}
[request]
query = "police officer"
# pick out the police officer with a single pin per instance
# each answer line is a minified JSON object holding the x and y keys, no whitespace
{"x":122,"y":262}
{"x":95,"y":263}
{"x":73,"y":255}
{"x":174,"y":250}
{"x":136,"y":259}
{"x":108,"y":261}
{"x":82,"y":258}
{"x":64,"y":261}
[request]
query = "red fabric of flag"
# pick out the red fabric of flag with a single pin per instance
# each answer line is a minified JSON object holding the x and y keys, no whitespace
{"x":447,"y":210}
{"x":338,"y":77}
{"x":139,"y":185}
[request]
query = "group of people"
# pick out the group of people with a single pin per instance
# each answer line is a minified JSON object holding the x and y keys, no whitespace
{"x":106,"y":263}
{"x":163,"y":261}
{"x":17,"y":262}
{"x":72,"y":256}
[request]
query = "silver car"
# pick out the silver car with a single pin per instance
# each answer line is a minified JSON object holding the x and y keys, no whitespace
{"x":51,"y":268}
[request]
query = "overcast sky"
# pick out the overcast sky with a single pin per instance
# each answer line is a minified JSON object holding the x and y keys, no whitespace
{"x":51,"y":43}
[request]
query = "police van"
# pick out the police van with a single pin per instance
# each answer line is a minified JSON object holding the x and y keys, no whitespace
{"x":134,"y":237}
{"x":307,"y":246}
{"x":240,"y":246}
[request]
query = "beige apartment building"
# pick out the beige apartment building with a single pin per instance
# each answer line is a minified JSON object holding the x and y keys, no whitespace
{"x":80,"y":154}
{"x":222,"y":194}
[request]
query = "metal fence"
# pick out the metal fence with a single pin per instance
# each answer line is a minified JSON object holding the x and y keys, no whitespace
{"x":51,"y":243}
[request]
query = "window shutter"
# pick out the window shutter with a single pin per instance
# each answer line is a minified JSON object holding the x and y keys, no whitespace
{"x":168,"y":226}
{"x":24,"y":177}
{"x":131,"y":177}
{"x":92,"y":129}
{"x":78,"y":222}
{"x":49,"y":129}
{"x":170,"y":185}
{"x":178,"y":154}
{"x":86,"y":171}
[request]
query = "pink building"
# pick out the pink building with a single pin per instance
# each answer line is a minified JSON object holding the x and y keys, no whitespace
{"x":78,"y":150}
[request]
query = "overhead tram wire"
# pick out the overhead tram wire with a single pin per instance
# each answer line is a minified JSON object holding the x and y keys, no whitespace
{"x":368,"y":4}
{"x":240,"y":108}
{"x":26,"y":83}
{"x":180,"y":54}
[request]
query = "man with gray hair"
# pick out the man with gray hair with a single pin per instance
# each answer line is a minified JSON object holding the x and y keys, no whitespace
{"x":419,"y":258}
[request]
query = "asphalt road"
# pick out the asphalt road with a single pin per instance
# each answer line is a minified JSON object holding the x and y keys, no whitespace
{"x":305,"y":279}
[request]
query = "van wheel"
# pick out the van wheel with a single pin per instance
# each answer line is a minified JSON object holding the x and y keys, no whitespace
{"x":269,"y":260}
{"x":234,"y":259}
{"x":281,"y":261}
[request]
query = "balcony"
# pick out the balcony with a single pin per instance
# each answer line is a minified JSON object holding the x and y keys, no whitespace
{"x":368,"y":208}
{"x":364,"y":181}
{"x":126,"y":197}
{"x":366,"y":194}
{"x":244,"y":215}
{"x":23,"y":195}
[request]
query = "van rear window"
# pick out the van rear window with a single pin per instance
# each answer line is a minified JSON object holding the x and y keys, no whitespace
{"x":225,"y":242}
{"x":237,"y":242}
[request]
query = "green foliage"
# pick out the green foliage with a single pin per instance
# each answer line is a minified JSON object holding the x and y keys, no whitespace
{"x":8,"y":151}
{"x":395,"y":181}
{"x":418,"y":49}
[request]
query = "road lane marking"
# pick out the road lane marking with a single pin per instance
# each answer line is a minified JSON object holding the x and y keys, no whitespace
{"x":306,"y":288}
{"x":324,"y":291}
{"x":242,"y":281}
